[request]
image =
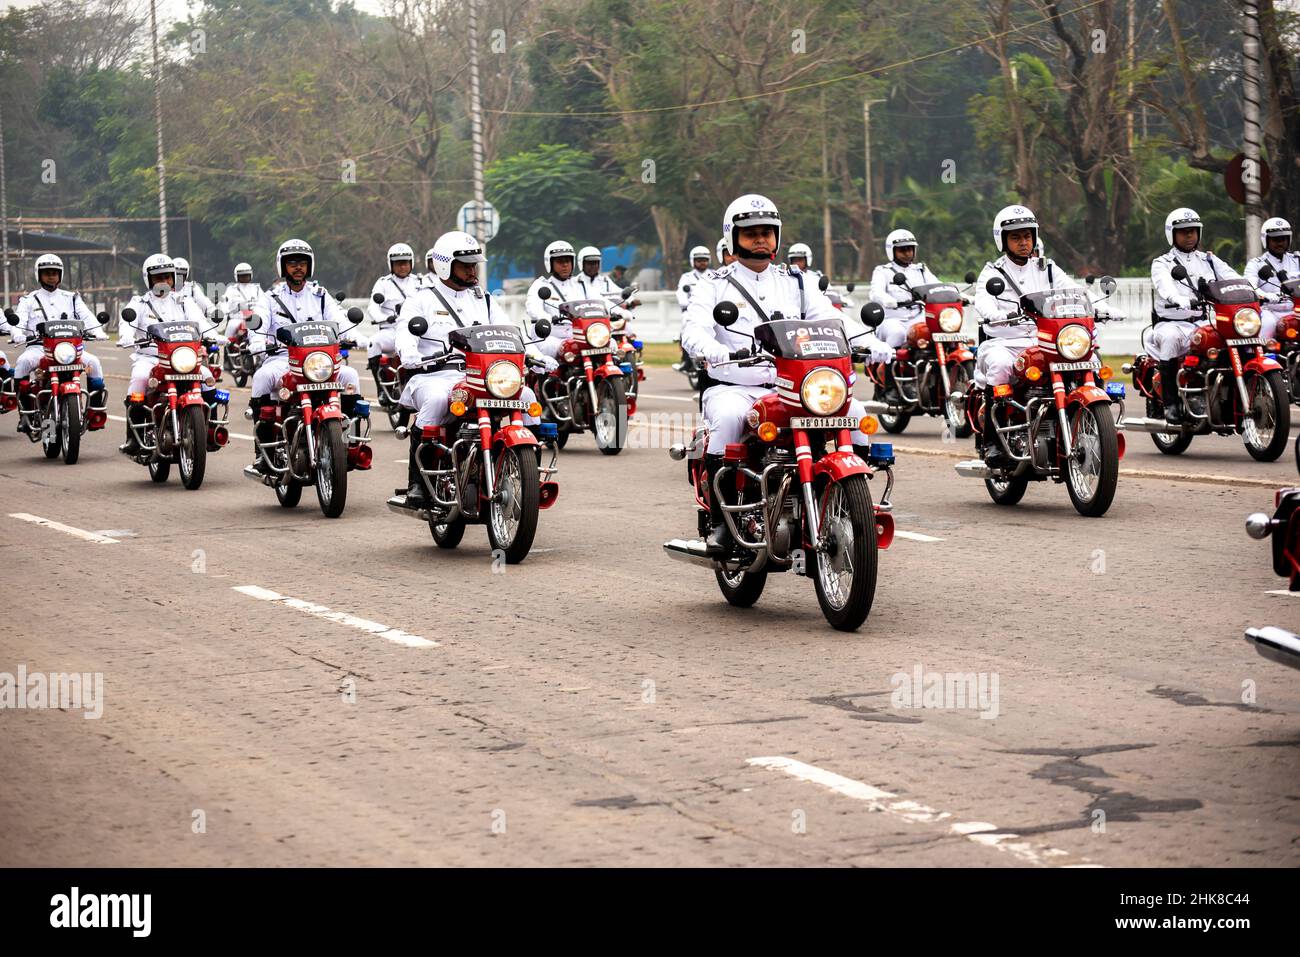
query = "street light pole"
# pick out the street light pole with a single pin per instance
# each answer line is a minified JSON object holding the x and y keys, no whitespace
{"x":4,"y":204}
{"x":476,"y":116}
{"x":1251,"y":170}
{"x":870,"y":197}
{"x":157,"y":116}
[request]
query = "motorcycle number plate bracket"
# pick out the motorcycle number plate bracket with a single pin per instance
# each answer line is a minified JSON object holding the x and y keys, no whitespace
{"x":1245,"y":342}
{"x":824,"y":422}
{"x":315,"y":386}
{"x":947,"y":337}
{"x":501,"y":404}
{"x":597,"y":352}
{"x":183,"y":377}
{"x":1093,"y":364}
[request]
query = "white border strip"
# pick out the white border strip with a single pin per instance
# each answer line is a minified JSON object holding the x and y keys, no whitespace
{"x":66,"y":529}
{"x":395,"y":635}
{"x":915,"y":536}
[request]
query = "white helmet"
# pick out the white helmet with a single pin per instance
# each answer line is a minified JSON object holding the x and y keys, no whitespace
{"x":800,"y":249}
{"x":157,"y":265}
{"x":1272,"y":228}
{"x":294,"y":247}
{"x":428,"y":259}
{"x":749,"y":210}
{"x":51,"y":261}
{"x":556,"y":250}
{"x":721,"y":249}
{"x":899,"y":237}
{"x":399,"y":251}
{"x":243,"y":269}
{"x":458,"y":247}
{"x":182,"y":269}
{"x":1181,"y":218}
{"x":700,"y":252}
{"x":588,"y":252}
{"x":1011,"y":218}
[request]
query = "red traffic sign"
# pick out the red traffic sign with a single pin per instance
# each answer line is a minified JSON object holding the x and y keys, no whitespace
{"x":1234,"y":178}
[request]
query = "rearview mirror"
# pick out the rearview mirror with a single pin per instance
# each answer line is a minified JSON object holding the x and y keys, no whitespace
{"x":340,"y":295}
{"x":417,"y":326}
{"x":1282,"y":276}
{"x":850,"y":287}
{"x":253,"y":322}
{"x":11,"y":317}
{"x":725,"y":314}
{"x":355,"y":315}
{"x":544,"y":292}
{"x":899,"y":279}
{"x":377,"y":299}
{"x":128,"y":314}
{"x":1266,"y":271}
{"x":970,"y":278}
{"x":101,"y":316}
{"x":630,"y":291}
{"x":1179,"y":272}
{"x":687,"y":289}
{"x":872,"y":314}
{"x":1108,"y":284}
{"x":284,"y":335}
{"x":542,"y":327}
{"x":823,"y":284}
{"x":995,"y":286}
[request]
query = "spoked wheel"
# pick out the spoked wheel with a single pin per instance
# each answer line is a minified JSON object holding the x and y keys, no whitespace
{"x":1268,"y":420}
{"x":447,"y":534}
{"x":611,"y":415}
{"x":846,"y":564}
{"x":1172,"y":443}
{"x":741,"y":589}
{"x":1093,"y":471}
{"x":331,"y":468}
{"x":159,"y":468}
{"x":1007,"y":491}
{"x":693,"y":377}
{"x":192,"y":448}
{"x":50,"y":443}
{"x":512,"y":515}
{"x":961,"y":380}
{"x":70,"y":431}
{"x":562,"y":438}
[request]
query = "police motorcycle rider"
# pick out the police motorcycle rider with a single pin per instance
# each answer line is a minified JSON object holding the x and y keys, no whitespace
{"x":1175,"y":317}
{"x":453,"y":300}
{"x":1275,"y":235}
{"x":297,"y":298}
{"x":559,"y":259}
{"x":185,"y":286}
{"x":900,"y":310}
{"x":159,"y":303}
{"x":759,"y":287}
{"x":396,"y":288}
{"x":800,"y":257}
{"x":48,"y":301}
{"x":699,"y":269}
{"x":242,"y":294}
{"x":1015,"y":234}
{"x":427,"y":278}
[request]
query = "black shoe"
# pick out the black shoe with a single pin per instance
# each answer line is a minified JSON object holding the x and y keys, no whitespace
{"x":416,"y":497}
{"x":720,"y":540}
{"x":997,"y":459}
{"x":1169,"y":395}
{"x":1174,"y":413}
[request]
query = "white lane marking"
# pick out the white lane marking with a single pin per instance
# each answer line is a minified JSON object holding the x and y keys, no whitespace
{"x":915,"y":536}
{"x":670,"y":398}
{"x":95,"y":537}
{"x":1284,"y":593}
{"x":979,"y":832}
{"x":233,"y":435}
{"x":395,"y":635}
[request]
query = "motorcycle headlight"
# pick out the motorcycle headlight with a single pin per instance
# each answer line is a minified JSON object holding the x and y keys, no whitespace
{"x":65,"y":353}
{"x":1246,"y":323}
{"x":184,"y":359}
{"x":598,"y":335}
{"x":504,"y":379}
{"x":318,"y":366}
{"x":1073,"y":342}
{"x":950,"y":320}
{"x":823,"y":392}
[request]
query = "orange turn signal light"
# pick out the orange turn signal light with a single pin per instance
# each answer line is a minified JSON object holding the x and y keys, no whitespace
{"x":869,"y":425}
{"x":458,"y":408}
{"x":1291,"y":333}
{"x":1105,"y":372}
{"x":135,"y":397}
{"x":768,"y":431}
{"x":1033,"y":373}
{"x":535,"y":410}
{"x":1002,"y":391}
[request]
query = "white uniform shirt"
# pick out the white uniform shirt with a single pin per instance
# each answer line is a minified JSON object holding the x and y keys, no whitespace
{"x":692,"y":278}
{"x":240,"y":295}
{"x":192,"y":290}
{"x":896,"y":300}
{"x":1173,"y":298}
{"x":1289,"y":264}
{"x":1024,"y":280}
{"x":40,"y":305}
{"x":281,"y":306}
{"x":150,"y":309}
{"x":395,"y":292}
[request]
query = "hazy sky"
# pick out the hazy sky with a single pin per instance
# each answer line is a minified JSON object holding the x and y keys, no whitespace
{"x":169,"y":10}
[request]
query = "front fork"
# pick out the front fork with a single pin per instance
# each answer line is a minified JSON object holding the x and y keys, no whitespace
{"x":172,"y":410}
{"x":485,"y":440}
{"x":1235,"y":357}
{"x":1058,"y":393}
{"x":590,"y":372}
{"x":803,"y":461}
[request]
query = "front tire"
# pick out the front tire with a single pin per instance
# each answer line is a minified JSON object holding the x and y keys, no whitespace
{"x":1268,"y":422}
{"x":512,"y":516}
{"x":1092,"y":482}
{"x":611,"y":415}
{"x":70,"y":431}
{"x":331,"y":468}
{"x":845,"y":572}
{"x":192,"y":448}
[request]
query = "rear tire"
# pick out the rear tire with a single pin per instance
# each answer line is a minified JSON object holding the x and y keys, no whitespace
{"x":70,"y":431}
{"x":1007,"y":491}
{"x":1172,"y":443}
{"x":194,"y":437}
{"x":159,"y":469}
{"x":448,"y":534}
{"x":331,"y":468}
{"x":895,"y":424}
{"x":741,"y":589}
{"x":846,"y":605}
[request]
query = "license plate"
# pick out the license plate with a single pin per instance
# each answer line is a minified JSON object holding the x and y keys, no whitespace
{"x":597,"y":352}
{"x":501,"y":404}
{"x":824,"y":422}
{"x":947,"y":337}
{"x":75,"y":367}
{"x":184,"y":376}
{"x":1245,"y":342}
{"x":1093,"y":364}
{"x":316,"y":386}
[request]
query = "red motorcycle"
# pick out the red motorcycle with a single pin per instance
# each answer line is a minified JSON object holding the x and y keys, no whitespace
{"x":388,"y":377}
{"x":236,"y":356}
{"x":794,"y":493}
{"x":483,"y":468}
{"x":315,"y":443}
{"x":1286,"y":344}
{"x":933,"y":372}
{"x":1278,"y":644}
{"x":1055,"y":422}
{"x":62,"y":413}
{"x":1228,"y":382}
{"x":172,"y":422}
{"x":589,"y":391}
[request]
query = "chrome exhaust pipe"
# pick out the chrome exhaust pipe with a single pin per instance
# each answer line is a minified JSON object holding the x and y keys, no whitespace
{"x":1276,"y":644}
{"x":693,"y":552}
{"x":1148,"y":425}
{"x":973,"y":468}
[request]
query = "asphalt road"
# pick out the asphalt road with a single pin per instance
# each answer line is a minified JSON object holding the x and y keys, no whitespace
{"x":601,"y":704}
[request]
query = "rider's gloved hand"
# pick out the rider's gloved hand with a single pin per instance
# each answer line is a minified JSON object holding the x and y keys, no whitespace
{"x":882,"y":354}
{"x":549,"y":363}
{"x":744,"y":353}
{"x":717,"y":353}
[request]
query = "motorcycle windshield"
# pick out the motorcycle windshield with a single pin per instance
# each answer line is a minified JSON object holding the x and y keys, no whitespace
{"x":174,"y":331}
{"x":313,"y":334}
{"x":59,"y":329}
{"x":1291,"y":287}
{"x":938,"y":293}
{"x":584,"y":309}
{"x":1230,"y":292}
{"x":796,"y":339}
{"x":486,"y":339}
{"x":1062,"y":304}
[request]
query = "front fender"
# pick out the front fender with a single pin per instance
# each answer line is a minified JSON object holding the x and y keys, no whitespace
{"x":1086,"y":395}
{"x":959,"y":355}
{"x":191,"y":398}
{"x":840,"y":465}
{"x":1261,"y":364}
{"x":512,"y":435}
{"x":71,"y":387}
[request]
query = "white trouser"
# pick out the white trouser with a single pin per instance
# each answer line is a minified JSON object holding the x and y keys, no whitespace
{"x":560,"y":334}
{"x":32,"y":355}
{"x":269,"y":373}
{"x":995,"y":362}
{"x":893,"y":331}
{"x":725,"y":408}
{"x":429,"y":393}
{"x":1171,"y":339}
{"x":142,"y":365}
{"x":382,"y":342}
{"x":234,"y":326}
{"x":1270,"y":315}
